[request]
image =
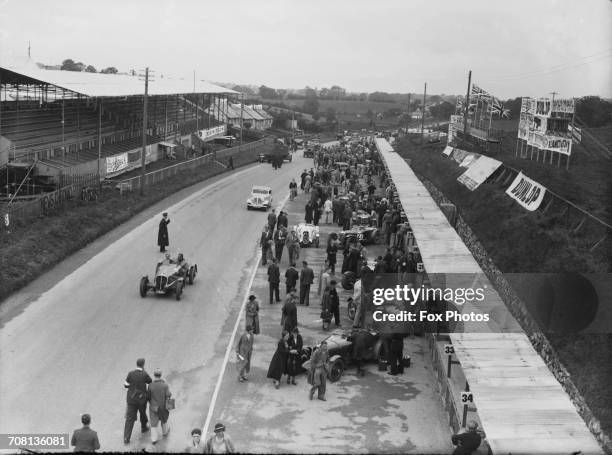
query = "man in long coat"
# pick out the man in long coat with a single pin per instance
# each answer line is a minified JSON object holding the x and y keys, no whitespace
{"x":159,"y":392}
{"x":306,"y":280}
{"x":293,"y":247}
{"x":162,"y":233}
{"x":317,"y":375}
{"x":274,"y":281}
{"x":243,"y":353}
{"x":289,"y":312}
{"x":291,"y":278}
{"x":252,"y":314}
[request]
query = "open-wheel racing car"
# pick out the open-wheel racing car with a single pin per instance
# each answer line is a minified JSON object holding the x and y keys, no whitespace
{"x":340,"y":348}
{"x":308,"y":234}
{"x":170,"y":277}
{"x":364,"y":230}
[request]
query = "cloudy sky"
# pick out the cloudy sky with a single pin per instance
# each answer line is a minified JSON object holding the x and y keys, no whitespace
{"x":514,"y":48}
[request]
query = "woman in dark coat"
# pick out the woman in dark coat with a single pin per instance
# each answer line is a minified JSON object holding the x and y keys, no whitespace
{"x":162,"y":234}
{"x":278,"y":365}
{"x":332,"y":249}
{"x":295,"y":344}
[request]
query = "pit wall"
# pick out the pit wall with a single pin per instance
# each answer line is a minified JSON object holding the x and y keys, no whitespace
{"x":519,"y":310}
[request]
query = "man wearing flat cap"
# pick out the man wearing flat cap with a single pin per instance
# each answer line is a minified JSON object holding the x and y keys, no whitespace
{"x":219,"y":442}
{"x":162,"y":234}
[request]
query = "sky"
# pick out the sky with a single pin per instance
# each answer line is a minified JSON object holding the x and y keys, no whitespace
{"x":513,"y":48}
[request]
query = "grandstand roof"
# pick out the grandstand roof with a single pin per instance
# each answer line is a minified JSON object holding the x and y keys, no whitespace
{"x":97,"y":85}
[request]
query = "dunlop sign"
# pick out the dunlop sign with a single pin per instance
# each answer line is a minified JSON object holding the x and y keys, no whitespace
{"x":526,"y":192}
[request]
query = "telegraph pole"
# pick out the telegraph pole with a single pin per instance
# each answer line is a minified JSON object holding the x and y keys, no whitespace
{"x":409,"y":118}
{"x":467,"y":105}
{"x":423,"y":115}
{"x":241,"y":117}
{"x":144,"y":133}
{"x":99,"y":141}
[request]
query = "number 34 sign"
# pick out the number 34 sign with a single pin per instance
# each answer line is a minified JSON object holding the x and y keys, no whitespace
{"x":467,"y":397}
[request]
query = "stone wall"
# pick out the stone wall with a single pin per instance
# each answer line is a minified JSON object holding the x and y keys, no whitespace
{"x":519,"y":310}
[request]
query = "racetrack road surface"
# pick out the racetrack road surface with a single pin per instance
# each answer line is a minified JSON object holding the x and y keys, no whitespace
{"x":376,"y":413}
{"x":68,"y":351}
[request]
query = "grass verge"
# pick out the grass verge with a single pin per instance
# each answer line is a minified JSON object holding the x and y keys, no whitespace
{"x":30,"y":249}
{"x":523,"y":242}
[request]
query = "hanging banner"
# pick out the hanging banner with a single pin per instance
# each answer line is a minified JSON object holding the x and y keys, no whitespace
{"x":212,"y":132}
{"x":528,"y":105}
{"x":478,"y":172}
{"x":526,"y":192}
{"x":563,"y":105}
{"x":559,"y":144}
{"x":116,"y":163}
{"x":447,"y":151}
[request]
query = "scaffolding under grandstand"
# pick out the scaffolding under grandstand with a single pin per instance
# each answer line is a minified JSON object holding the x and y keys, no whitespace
{"x":56,"y":123}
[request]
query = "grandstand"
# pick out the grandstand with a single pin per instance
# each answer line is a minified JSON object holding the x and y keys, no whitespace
{"x":57,"y":123}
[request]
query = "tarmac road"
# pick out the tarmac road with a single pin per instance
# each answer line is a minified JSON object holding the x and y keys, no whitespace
{"x":68,"y":351}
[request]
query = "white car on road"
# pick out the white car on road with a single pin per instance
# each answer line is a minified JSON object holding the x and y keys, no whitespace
{"x":261,"y":198}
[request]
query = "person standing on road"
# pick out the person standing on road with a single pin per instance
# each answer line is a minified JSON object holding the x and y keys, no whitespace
{"x":292,"y":190}
{"x":293,"y":247}
{"x":282,"y":220}
{"x":396,"y":354}
{"x":244,"y":350}
{"x":195,"y":445}
{"x":278,"y":364}
{"x":291,"y":278}
{"x":159,"y":392}
{"x":323,"y":279}
{"x":308,"y":212}
{"x":274,"y":281}
{"x":359,"y":349}
{"x":136,"y":398}
{"x":334,"y":302}
{"x":280,"y":237}
{"x":252,"y":314}
{"x":220,"y":442}
{"x":332,"y":249}
{"x":272,"y":220}
{"x":266,"y":236}
{"x":162,"y":233}
{"x":230,"y":163}
{"x":295,"y":344}
{"x":328,"y":209}
{"x":303,"y":177}
{"x":306,"y":280}
{"x":85,"y":439}
{"x":317,"y":375}
{"x":289,"y":312}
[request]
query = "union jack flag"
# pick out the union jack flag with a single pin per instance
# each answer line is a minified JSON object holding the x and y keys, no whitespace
{"x":497,"y":108}
{"x":477,"y":91}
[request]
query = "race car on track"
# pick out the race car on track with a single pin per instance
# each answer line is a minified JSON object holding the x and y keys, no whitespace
{"x":260,"y":199}
{"x":170,"y":277}
{"x":340,"y":349}
{"x":308,"y":234}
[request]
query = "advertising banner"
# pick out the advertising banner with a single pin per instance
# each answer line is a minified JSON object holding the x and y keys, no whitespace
{"x":212,"y":132}
{"x":526,"y":192}
{"x":116,"y":163}
{"x":563,"y":105}
{"x":478,"y":172}
{"x":528,"y":105}
{"x":559,"y":144}
{"x":447,"y":151}
{"x":576,"y":133}
{"x":543,"y":107}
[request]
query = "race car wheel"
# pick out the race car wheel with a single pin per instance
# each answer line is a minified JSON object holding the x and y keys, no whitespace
{"x":336,"y":369}
{"x":191,"y":275}
{"x":179,"y":290}
{"x":143,"y":287}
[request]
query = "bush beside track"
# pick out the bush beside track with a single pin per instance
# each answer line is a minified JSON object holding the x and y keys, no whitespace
{"x":522,"y":242}
{"x":30,"y":249}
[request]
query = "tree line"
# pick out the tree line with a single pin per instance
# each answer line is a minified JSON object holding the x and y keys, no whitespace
{"x":71,"y":65}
